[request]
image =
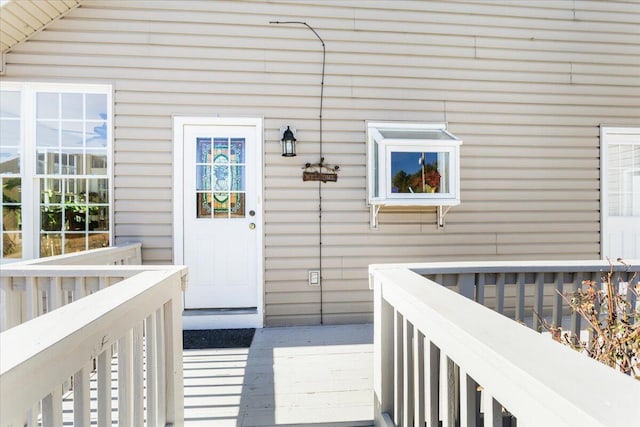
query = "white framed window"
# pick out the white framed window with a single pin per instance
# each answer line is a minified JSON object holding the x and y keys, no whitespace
{"x":62,"y":155}
{"x":412,"y":164}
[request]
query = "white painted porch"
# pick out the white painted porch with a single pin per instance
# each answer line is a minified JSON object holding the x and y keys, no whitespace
{"x":311,"y":376}
{"x":113,"y":333}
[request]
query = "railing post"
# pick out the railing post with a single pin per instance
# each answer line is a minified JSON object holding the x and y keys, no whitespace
{"x":382,"y":355}
{"x":173,"y":360}
{"x":398,"y":368}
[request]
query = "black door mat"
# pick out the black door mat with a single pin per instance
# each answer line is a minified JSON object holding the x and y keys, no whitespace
{"x":217,"y":338}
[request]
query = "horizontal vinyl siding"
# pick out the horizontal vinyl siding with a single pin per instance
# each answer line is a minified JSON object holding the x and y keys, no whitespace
{"x":524,"y":84}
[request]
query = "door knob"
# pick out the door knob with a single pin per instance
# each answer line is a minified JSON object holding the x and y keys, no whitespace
{"x":252,"y":226}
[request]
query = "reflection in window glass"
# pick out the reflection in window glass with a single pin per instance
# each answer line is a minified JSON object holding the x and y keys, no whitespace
{"x":419,"y":172}
{"x":72,"y":106}
{"x":70,"y":210}
{"x":10,"y":104}
{"x":70,"y":133}
{"x":11,"y":209}
{"x":10,"y":132}
{"x":96,"y":106}
{"x":624,"y":179}
{"x":10,"y":137}
{"x":72,"y":141}
{"x":10,"y":169}
{"x":47,"y":105}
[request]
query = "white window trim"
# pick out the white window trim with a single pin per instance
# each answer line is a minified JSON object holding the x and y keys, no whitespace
{"x":30,"y":180}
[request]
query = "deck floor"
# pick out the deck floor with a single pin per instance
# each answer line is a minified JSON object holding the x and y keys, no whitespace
{"x":302,"y":376}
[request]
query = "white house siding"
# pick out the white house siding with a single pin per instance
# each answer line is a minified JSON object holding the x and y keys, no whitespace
{"x":524,"y":84}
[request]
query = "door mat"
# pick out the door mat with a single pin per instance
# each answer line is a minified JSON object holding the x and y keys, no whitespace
{"x":217,"y":338}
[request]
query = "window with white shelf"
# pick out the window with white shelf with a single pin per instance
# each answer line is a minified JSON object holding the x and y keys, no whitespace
{"x":412,"y":164}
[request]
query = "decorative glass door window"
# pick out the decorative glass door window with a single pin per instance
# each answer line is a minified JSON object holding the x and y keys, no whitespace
{"x":220,"y":177}
{"x":412,"y":165}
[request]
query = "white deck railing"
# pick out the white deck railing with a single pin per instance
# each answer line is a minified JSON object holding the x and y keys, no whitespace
{"x":435,"y":349}
{"x":31,"y":288}
{"x":140,"y":316}
{"x":114,"y":255}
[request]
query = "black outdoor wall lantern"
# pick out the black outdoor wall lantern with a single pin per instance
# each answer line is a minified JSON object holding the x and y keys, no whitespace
{"x":288,"y":143}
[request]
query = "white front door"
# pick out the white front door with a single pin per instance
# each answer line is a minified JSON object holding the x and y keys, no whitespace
{"x":221,"y":213}
{"x":620,"y":193}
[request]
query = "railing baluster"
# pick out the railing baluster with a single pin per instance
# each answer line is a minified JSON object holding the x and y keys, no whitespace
{"x":500,"y":293}
{"x":466,"y":285}
{"x":520,"y":293}
{"x":125,"y":379}
{"x":55,"y":293}
{"x":575,"y":317}
{"x":173,"y":350}
{"x":102,"y":282}
{"x":468,"y":400}
{"x":407,"y":373}
{"x":79,"y":288}
{"x":538,"y":302}
{"x":492,"y":411}
{"x":52,"y":409}
{"x":480,"y":288}
{"x":81,"y":398}
{"x":448,"y":393}
{"x":398,"y":370}
{"x":32,"y":416}
{"x":162,"y":369}
{"x":419,"y":396}
{"x":432,"y":380}
{"x":633,"y":281}
{"x":31,"y":295}
{"x":558,"y":302}
{"x":104,"y":388}
{"x":9,"y":304}
{"x":152,"y":370}
{"x":138,"y":376}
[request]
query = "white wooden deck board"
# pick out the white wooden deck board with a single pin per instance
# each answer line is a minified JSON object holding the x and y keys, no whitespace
{"x":311,"y":376}
{"x":303,"y":376}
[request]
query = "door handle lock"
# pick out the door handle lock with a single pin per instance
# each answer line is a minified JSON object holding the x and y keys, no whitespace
{"x":252,"y":226}
{"x":252,"y":213}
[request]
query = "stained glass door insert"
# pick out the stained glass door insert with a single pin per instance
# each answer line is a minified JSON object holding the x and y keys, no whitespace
{"x":220,"y":177}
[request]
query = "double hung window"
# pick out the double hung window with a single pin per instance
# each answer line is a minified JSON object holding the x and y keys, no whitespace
{"x":56,"y":168}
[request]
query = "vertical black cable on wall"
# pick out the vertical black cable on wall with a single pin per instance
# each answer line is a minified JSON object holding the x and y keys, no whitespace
{"x":321,"y":157}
